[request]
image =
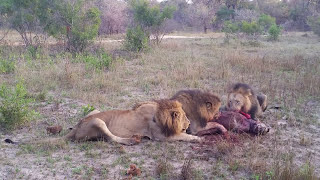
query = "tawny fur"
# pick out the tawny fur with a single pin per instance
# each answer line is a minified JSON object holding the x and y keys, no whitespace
{"x":241,"y":97}
{"x":161,"y":120}
{"x":200,"y":108}
{"x":157,"y":120}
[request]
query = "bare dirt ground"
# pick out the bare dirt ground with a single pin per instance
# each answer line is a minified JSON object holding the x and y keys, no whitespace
{"x":287,"y":71}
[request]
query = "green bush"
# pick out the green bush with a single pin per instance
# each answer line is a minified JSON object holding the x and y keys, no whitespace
{"x":266,"y":21}
{"x":87,"y":109}
{"x":6,"y":66}
{"x":98,"y":61}
{"x":314,"y":23}
{"x":230,"y":29}
{"x":225,"y":14}
{"x":274,"y":32}
{"x":136,"y":39}
{"x":150,"y":18}
{"x":250,"y":28}
{"x":14,"y":106}
{"x":75,"y":23}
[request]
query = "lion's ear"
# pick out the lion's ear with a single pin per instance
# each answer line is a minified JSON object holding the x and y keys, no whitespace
{"x":174,"y":115}
{"x":245,"y":92}
{"x":248,"y":92}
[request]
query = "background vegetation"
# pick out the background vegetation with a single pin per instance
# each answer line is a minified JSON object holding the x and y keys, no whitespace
{"x":61,"y":59}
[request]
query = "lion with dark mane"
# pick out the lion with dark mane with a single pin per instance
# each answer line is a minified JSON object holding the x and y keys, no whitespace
{"x":200,"y":108}
{"x":242,"y":98}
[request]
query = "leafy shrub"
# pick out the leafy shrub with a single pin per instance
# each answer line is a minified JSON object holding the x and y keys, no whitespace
{"x":150,"y":18}
{"x":224,"y":13}
{"x":87,"y":109}
{"x":136,"y":39}
{"x":99,"y":61}
{"x":75,"y":23}
{"x":250,"y":28}
{"x":230,"y":29}
{"x":274,"y":32}
{"x":6,"y":66}
{"x":314,"y":23}
{"x":14,"y":106}
{"x":266,"y":21}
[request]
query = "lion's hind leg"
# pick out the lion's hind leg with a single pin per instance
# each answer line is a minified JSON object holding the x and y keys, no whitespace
{"x":98,"y":129}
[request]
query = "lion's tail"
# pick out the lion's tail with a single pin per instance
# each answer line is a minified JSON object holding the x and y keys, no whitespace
{"x":9,"y":141}
{"x":51,"y":141}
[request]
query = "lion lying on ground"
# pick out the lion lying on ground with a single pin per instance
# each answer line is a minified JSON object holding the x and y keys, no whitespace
{"x":158,"y":120}
{"x":200,"y":108}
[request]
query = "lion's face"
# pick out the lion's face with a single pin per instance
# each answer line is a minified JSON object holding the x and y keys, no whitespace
{"x":171,"y":117}
{"x":181,"y":119}
{"x":210,"y":110}
{"x":236,"y":101}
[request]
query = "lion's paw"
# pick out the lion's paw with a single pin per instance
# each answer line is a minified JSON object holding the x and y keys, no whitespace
{"x":129,"y":141}
{"x":261,"y":129}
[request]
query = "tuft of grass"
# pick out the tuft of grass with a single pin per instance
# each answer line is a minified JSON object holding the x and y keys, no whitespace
{"x":123,"y":160}
{"x":15,"y":106}
{"x":288,"y":170}
{"x":77,"y":170}
{"x":44,"y":148}
{"x":6,"y":66}
{"x":304,"y":141}
{"x":223,"y":147}
{"x":234,"y":166}
{"x":87,"y":109}
{"x":164,"y":169}
{"x":188,"y":172}
{"x":99,"y":62}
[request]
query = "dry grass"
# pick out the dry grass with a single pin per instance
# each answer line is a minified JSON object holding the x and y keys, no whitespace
{"x":287,"y":71}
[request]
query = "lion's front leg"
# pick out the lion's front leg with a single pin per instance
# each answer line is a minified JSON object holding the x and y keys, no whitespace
{"x":184,"y":137}
{"x":214,"y":125}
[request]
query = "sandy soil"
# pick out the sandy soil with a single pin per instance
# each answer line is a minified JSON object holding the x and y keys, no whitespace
{"x":102,"y":160}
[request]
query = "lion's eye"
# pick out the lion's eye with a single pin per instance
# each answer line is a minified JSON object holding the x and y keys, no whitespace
{"x":238,"y":102}
{"x":209,"y":105}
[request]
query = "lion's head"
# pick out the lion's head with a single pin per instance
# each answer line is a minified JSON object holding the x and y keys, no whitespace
{"x":199,"y":106}
{"x":171,"y":117}
{"x":239,"y":97}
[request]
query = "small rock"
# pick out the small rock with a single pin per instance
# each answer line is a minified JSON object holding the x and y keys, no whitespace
{"x":282,"y":124}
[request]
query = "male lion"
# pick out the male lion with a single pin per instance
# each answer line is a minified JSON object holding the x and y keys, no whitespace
{"x":158,"y":120}
{"x":242,"y":98}
{"x":200,"y":108}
